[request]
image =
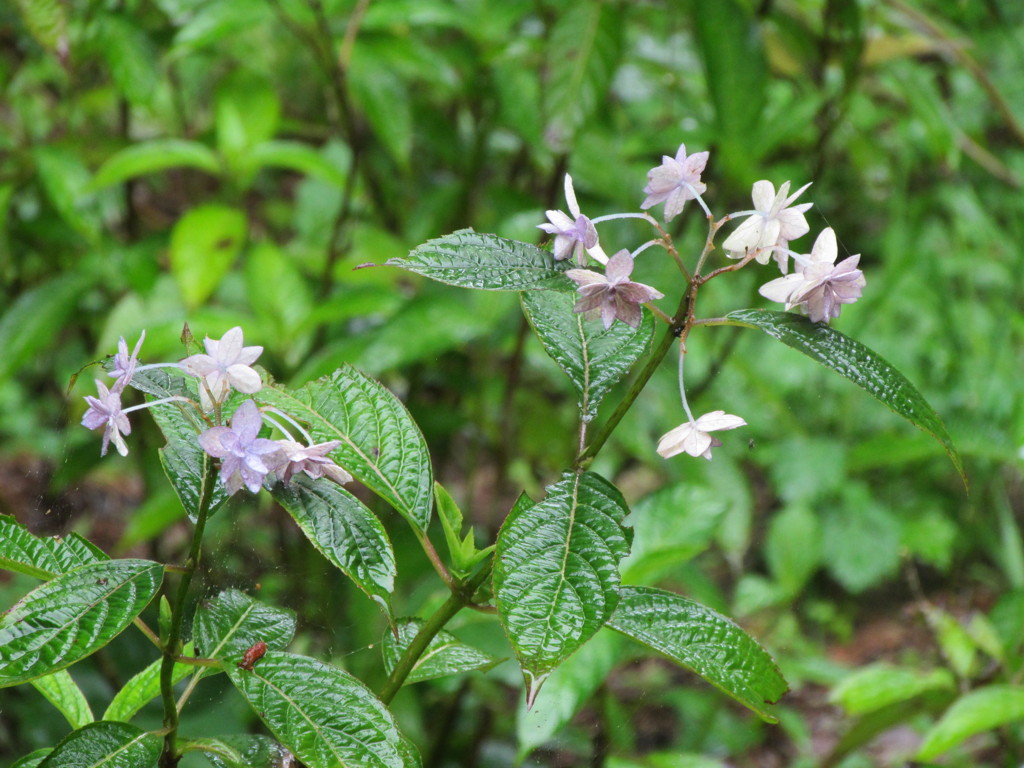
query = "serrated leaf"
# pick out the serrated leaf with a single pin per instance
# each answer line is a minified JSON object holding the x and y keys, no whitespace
{"x":36,"y":316}
{"x":703,"y":641}
{"x":241,"y":751}
{"x":63,"y":692}
{"x":43,"y":557}
{"x":556,"y":571}
{"x":227,"y":625}
{"x":380,"y":443}
{"x":106,"y":745}
{"x":326,"y":717}
{"x":143,"y":687}
{"x":979,"y":711}
{"x":154,"y":156}
{"x":871,"y":688}
{"x":583,"y":52}
{"x":446,"y":654}
{"x":345,"y":532}
{"x":472,"y":260}
{"x":854,"y":361}
{"x":73,"y":615}
{"x":204,"y":244}
{"x":296,"y":156}
{"x":594,"y":358}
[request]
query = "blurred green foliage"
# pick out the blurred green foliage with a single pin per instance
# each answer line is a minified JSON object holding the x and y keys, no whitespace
{"x":230,"y":162}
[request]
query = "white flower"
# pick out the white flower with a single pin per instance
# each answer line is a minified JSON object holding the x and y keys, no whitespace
{"x":819,"y":287}
{"x":311,"y":459}
{"x":675,"y":181}
{"x":692,"y":436}
{"x":573,"y":235}
{"x":773,"y":224}
{"x":225,"y":365}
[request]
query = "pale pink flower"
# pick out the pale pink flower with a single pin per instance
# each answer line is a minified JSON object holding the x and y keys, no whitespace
{"x":612,"y":295}
{"x":124,"y":365}
{"x":774,"y":222}
{"x":105,"y":411}
{"x":675,"y":181}
{"x":574,"y":235}
{"x":245,"y":458}
{"x":311,"y":459}
{"x":692,"y":437}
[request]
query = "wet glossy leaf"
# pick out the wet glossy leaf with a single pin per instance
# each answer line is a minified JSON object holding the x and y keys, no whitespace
{"x":241,"y":751}
{"x":593,"y":358}
{"x":144,"y":687}
{"x":345,"y":532}
{"x":106,"y":745}
{"x":61,"y":691}
{"x":979,"y":711}
{"x":703,"y":641}
{"x":556,"y":571}
{"x":446,"y":654}
{"x":227,"y":625}
{"x":472,"y":260}
{"x":381,"y":445}
{"x":43,"y":556}
{"x":154,"y":156}
{"x":854,"y":361}
{"x":73,"y":615}
{"x":204,"y":244}
{"x":326,"y":717}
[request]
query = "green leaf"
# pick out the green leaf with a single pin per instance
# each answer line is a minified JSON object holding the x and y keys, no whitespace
{"x":383,"y":96}
{"x":35,"y":319}
{"x":143,"y":687}
{"x":326,"y":717}
{"x":155,"y":156}
{"x":130,"y":56}
{"x":570,"y":687}
{"x":106,"y":745}
{"x":43,"y":557}
{"x":345,"y":532}
{"x":204,"y":244}
{"x":213,"y":22}
{"x":854,"y":361}
{"x":583,"y":53}
{"x":247,"y":112}
{"x":47,"y":21}
{"x":871,"y":688}
{"x":593,"y":358}
{"x":66,"y":181}
{"x":472,"y":260}
{"x":464,"y":554}
{"x":703,"y":641}
{"x":860,"y":539}
{"x":241,"y":751}
{"x":979,"y":711}
{"x":70,"y":617}
{"x":296,"y":156}
{"x":226,"y":626}
{"x":446,"y":654}
{"x":793,"y":548}
{"x":556,"y":571}
{"x":380,"y":443}
{"x":736,"y":77}
{"x":63,"y":692}
{"x":33,"y":759}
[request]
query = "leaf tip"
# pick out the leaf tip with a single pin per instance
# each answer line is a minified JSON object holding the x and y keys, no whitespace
{"x":533,"y":686}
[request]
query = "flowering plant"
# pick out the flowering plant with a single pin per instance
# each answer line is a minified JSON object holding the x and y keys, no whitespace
{"x":551,"y":578}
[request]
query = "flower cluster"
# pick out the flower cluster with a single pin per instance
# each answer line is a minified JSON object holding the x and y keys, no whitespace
{"x":246,"y":459}
{"x":817,"y":286}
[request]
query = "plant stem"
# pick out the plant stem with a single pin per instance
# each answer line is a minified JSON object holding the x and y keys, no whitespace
{"x":462,"y":595}
{"x":172,"y":646}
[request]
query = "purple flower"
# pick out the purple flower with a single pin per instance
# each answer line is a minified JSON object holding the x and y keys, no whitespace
{"x":612,"y":295}
{"x":692,"y":436}
{"x":774,"y":222}
{"x":675,"y":181}
{"x":125,"y":364}
{"x":105,"y":411}
{"x":225,"y":365}
{"x":821,"y":286}
{"x":573,"y":235}
{"x":245,"y":458}
{"x":311,"y":459}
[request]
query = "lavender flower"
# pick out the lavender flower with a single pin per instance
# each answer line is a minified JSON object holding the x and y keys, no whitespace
{"x":771,"y":225}
{"x":675,"y":181}
{"x":105,"y":411}
{"x":819,"y":287}
{"x":692,"y":437}
{"x":225,"y":365}
{"x":124,"y":364}
{"x":245,"y":458}
{"x":311,"y":459}
{"x":575,"y":235}
{"x":612,"y":295}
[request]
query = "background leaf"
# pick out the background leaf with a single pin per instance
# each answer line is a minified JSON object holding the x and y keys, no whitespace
{"x":854,"y":361}
{"x":73,"y":615}
{"x":344,"y":531}
{"x":204,"y":244}
{"x":977,"y":712}
{"x":592,"y":357}
{"x":703,"y":641}
{"x":106,"y":745}
{"x":556,"y":572}
{"x":152,"y":157}
{"x":326,"y":717}
{"x":873,"y":687}
{"x":446,"y":654}
{"x":472,"y":260}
